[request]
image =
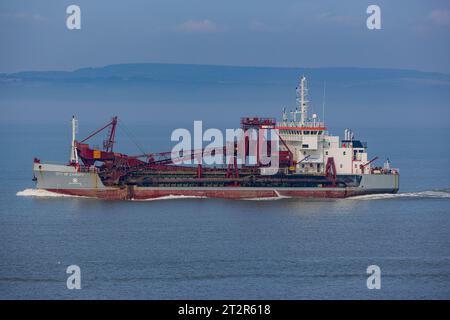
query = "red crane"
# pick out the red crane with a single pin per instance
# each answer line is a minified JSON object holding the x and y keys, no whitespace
{"x":363,"y":166}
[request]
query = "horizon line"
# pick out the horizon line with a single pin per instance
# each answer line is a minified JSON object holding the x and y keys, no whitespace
{"x":221,"y":65}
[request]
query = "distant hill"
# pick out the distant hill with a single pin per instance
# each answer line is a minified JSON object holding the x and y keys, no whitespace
{"x":176,"y":94}
{"x":219,"y":74}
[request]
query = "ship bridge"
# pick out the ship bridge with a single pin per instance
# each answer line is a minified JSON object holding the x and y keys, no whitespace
{"x":307,"y":138}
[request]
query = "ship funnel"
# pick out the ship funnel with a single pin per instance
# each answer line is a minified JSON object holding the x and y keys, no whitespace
{"x":348,"y":134}
{"x":387,"y":164}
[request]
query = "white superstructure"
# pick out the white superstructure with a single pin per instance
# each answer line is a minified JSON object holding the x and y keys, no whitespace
{"x":312,"y":146}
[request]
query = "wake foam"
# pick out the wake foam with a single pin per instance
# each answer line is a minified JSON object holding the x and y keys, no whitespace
{"x":438,"y":194}
{"x":434,"y":194}
{"x":266,"y":198}
{"x":171,"y":197}
{"x":40,"y":193}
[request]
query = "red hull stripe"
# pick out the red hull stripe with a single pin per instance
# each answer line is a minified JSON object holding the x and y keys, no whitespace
{"x":145,"y":194}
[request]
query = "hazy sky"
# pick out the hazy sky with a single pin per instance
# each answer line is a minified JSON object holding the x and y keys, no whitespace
{"x":414,"y":35}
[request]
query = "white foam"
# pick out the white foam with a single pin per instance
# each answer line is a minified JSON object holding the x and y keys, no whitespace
{"x":43,"y":193}
{"x":420,"y":194}
{"x":171,"y":197}
{"x":267,"y":198}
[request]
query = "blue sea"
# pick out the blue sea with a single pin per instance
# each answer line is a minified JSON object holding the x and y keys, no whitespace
{"x":225,"y":249}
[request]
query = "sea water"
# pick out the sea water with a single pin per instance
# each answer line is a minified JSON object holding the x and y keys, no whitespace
{"x":196,"y":248}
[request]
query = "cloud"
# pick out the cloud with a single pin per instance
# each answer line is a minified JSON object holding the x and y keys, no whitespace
{"x":24,"y":16}
{"x":338,"y":19}
{"x":435,"y":19}
{"x":258,"y":26}
{"x":198,"y":26}
{"x":440,"y":17}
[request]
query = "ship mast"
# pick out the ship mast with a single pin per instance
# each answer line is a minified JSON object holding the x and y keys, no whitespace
{"x":73,"y":153}
{"x":302,"y":103}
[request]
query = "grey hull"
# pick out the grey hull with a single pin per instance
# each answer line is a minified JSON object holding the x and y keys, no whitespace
{"x":68,"y":180}
{"x":54,"y":176}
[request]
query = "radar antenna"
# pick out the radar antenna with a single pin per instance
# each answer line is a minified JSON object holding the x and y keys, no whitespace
{"x":302,"y":102}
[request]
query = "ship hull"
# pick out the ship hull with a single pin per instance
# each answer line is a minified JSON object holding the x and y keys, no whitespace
{"x":222,"y":193}
{"x":69,"y":181}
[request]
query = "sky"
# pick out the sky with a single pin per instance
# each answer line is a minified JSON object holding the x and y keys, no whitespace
{"x":294,"y":33}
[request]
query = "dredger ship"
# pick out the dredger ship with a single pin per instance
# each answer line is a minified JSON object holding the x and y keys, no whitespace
{"x":311,"y":164}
